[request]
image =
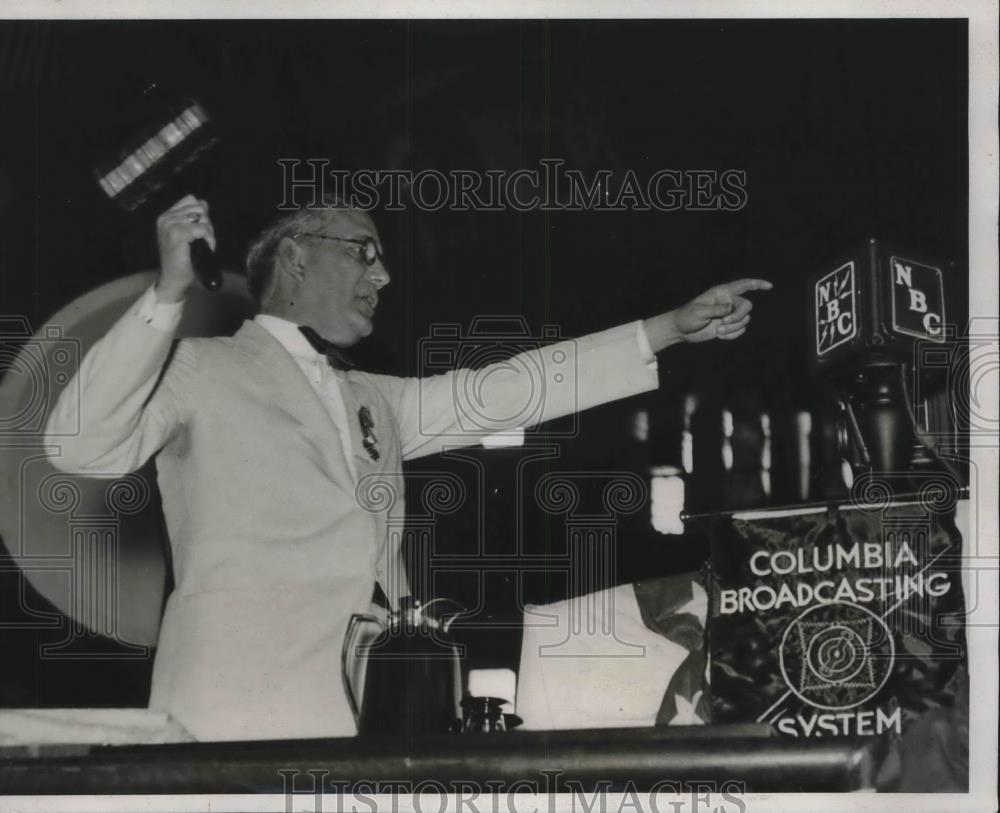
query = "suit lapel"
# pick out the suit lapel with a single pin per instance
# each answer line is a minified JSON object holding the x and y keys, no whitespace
{"x":276,"y":373}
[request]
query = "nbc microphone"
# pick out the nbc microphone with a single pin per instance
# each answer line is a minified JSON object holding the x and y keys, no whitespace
{"x":873,"y":311}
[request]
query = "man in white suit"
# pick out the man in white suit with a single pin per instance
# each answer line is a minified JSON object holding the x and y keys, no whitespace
{"x":280,"y":473}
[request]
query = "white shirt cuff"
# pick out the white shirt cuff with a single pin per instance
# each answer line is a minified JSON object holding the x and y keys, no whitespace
{"x":645,"y":351}
{"x":163,"y":316}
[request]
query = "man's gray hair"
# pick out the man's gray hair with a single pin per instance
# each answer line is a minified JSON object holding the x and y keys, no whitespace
{"x":263,"y":250}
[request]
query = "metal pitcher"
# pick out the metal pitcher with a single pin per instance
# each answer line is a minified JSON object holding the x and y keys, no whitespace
{"x":410,"y":670}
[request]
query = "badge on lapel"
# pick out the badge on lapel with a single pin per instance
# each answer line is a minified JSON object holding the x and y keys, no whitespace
{"x":369,"y":441}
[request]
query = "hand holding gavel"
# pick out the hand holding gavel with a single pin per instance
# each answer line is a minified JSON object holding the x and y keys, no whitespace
{"x":180,"y":231}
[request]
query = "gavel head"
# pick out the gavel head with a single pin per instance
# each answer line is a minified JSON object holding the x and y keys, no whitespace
{"x":159,"y":141}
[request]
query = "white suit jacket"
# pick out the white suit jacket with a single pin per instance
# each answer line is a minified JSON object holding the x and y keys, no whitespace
{"x":275,"y":543}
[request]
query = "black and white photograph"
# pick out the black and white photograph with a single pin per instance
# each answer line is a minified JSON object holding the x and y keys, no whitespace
{"x":522,"y":408}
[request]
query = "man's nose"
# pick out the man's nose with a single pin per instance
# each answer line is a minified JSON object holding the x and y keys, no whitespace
{"x":379,"y":274}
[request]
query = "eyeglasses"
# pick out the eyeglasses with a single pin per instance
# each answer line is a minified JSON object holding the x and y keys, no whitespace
{"x":369,"y":248}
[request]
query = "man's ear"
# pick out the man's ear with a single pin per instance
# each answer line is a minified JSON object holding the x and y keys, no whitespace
{"x":291,"y":259}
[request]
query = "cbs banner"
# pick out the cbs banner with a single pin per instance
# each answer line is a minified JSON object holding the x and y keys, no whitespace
{"x":839,"y":622}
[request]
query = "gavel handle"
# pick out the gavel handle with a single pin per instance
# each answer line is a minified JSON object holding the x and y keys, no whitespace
{"x":206,"y":265}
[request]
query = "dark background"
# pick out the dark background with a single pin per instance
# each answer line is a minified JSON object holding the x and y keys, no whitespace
{"x":845,"y":130}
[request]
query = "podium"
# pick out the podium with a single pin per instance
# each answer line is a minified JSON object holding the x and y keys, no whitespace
{"x":644,"y":760}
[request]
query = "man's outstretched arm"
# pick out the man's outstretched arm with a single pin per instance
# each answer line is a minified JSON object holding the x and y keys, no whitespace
{"x":461,"y":407}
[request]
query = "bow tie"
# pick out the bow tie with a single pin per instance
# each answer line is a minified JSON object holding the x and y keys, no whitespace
{"x":335,"y":357}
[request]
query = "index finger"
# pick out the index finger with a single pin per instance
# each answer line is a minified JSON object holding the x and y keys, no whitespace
{"x":741,"y":286}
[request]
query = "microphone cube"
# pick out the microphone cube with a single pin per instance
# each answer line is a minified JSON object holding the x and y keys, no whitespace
{"x":875,"y":301}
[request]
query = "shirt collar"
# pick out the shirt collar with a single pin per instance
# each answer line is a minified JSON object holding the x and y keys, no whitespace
{"x":288,"y":335}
